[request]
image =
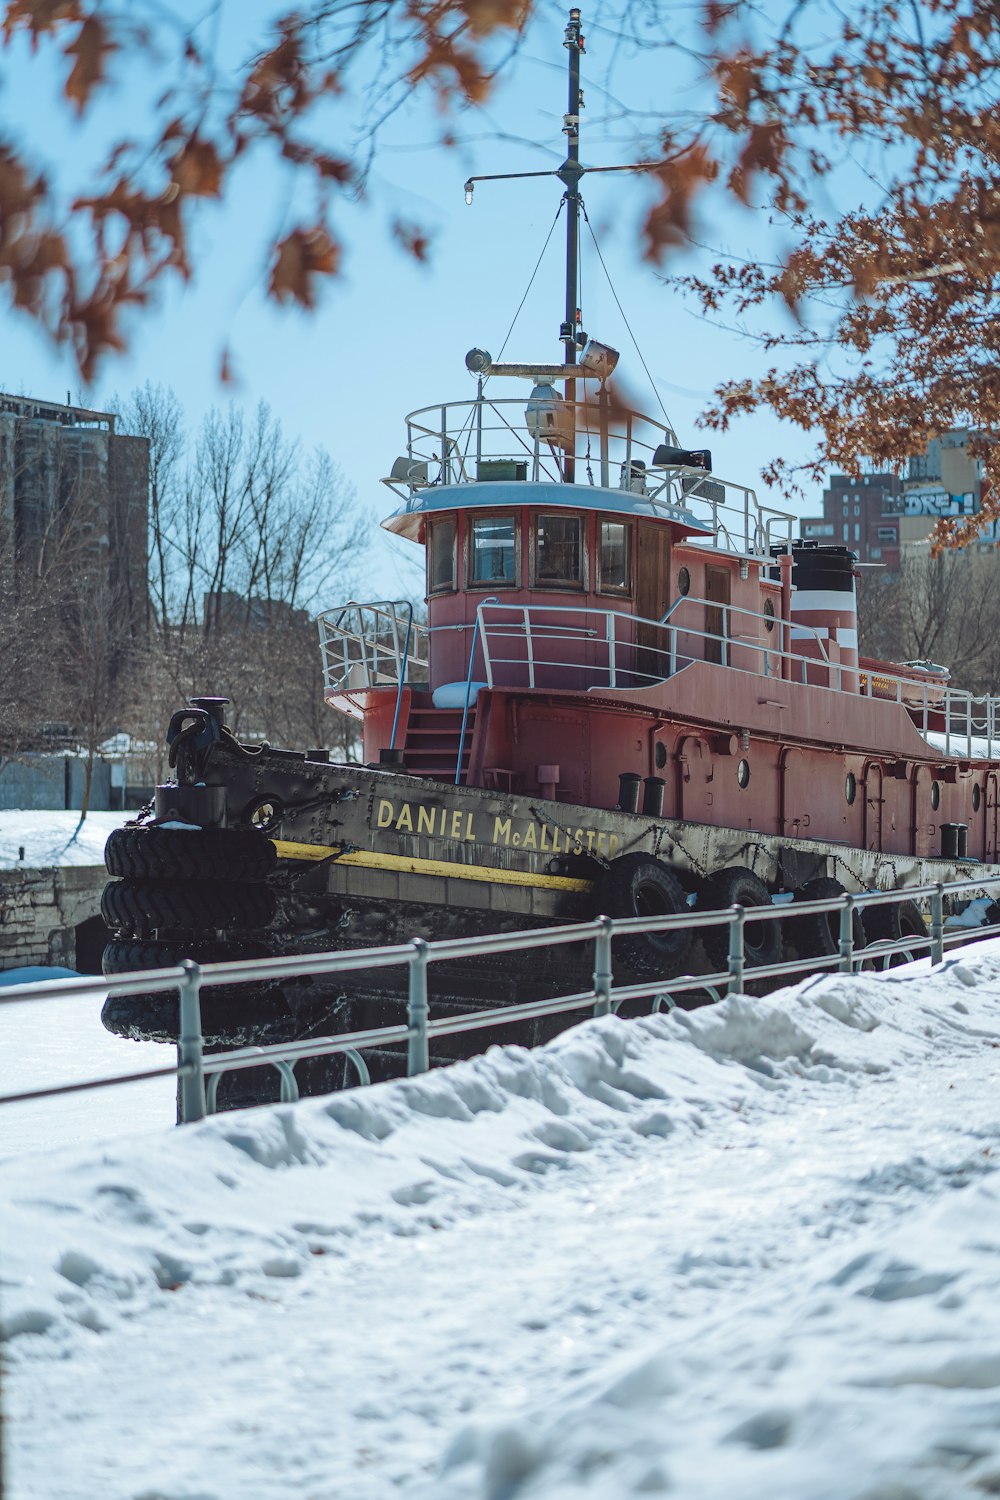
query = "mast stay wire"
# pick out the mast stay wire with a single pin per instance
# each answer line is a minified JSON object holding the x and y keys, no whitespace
{"x":607,"y":273}
{"x":531,"y":281}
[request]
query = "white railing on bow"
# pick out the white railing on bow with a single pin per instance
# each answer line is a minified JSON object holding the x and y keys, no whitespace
{"x":371,"y":645}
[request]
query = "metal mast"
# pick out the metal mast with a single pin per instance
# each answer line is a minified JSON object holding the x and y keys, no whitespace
{"x":570,"y":174}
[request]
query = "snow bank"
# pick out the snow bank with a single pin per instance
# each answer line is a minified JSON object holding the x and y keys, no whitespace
{"x":715,"y":1253}
{"x":52,"y":838}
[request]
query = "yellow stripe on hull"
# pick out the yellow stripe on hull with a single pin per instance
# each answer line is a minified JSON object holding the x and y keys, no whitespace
{"x":442,"y":868}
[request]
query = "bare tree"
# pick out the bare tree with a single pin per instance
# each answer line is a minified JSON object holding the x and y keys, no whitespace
{"x":248,"y":535}
{"x":944,"y":609}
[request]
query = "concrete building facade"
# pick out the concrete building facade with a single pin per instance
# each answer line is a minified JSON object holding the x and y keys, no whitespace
{"x":69,"y":481}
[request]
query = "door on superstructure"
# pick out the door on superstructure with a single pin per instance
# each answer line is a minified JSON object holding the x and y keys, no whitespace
{"x":717,"y":592}
{"x":990,"y":816}
{"x":652,"y":599}
{"x":871,"y":788}
{"x":923,"y":823}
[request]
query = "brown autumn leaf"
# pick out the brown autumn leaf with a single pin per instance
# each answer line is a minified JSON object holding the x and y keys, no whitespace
{"x":763,"y":151}
{"x":486,"y":16}
{"x":680,"y":179}
{"x":299,"y":258}
{"x":39,"y":17}
{"x":197,"y":169}
{"x":91,"y":48}
{"x":412,"y":238}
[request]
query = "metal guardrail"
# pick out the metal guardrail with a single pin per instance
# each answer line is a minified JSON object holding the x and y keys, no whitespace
{"x":199,"y":1075}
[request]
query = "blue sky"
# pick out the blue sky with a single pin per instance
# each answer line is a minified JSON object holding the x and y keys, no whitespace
{"x":390,"y":335}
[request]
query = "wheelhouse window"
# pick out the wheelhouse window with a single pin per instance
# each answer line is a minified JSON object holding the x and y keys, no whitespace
{"x":493,"y":547}
{"x":559,"y":552}
{"x":615,"y":554}
{"x":441,"y":557}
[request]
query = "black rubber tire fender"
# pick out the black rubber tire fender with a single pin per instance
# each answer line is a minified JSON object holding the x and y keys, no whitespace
{"x":888,"y":924}
{"x":140,"y":906}
{"x":230,"y":1012}
{"x":737,"y":886}
{"x":127,"y":955}
{"x":146,"y":852}
{"x":817,"y":934}
{"x":638,"y":885}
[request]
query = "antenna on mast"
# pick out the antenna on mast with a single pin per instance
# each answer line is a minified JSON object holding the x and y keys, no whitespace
{"x":569,"y":175}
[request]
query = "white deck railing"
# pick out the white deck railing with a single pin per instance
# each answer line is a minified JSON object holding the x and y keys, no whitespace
{"x":467,"y":442}
{"x":562,"y":647}
{"x":371,"y":645}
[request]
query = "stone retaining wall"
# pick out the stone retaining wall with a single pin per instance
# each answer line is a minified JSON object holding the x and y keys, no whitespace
{"x":41,"y":910}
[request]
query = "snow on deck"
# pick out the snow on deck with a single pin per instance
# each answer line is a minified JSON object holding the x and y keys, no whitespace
{"x":747,"y":1252}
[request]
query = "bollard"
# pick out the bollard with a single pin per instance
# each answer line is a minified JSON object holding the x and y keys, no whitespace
{"x":737,"y":917}
{"x":417,"y":1059}
{"x":602,"y":968}
{"x":190,"y":1045}
{"x":846,"y":946}
{"x":937,"y":924}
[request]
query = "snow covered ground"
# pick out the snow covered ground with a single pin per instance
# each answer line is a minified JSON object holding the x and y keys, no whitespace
{"x":55,"y":838}
{"x":749,"y":1252}
{"x":44,"y":1044}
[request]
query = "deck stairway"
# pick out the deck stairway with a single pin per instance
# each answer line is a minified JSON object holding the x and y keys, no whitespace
{"x":432,"y":740}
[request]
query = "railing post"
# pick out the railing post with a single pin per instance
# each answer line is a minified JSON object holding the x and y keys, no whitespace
{"x":402,"y":668}
{"x":610,"y":629}
{"x":602,"y":967}
{"x":737,"y":918}
{"x":417,"y":1059}
{"x":191,"y":1045}
{"x":846,"y":945}
{"x":937,"y":924}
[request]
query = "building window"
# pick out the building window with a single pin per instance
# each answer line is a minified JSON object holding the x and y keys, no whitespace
{"x":493,"y":552}
{"x":875,"y":554}
{"x":559,"y":552}
{"x":887,"y":533}
{"x":441,"y":557}
{"x":615,"y":557}
{"x":857,"y":531}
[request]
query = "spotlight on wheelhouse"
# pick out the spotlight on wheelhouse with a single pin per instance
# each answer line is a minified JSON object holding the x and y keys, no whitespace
{"x":599,"y":359}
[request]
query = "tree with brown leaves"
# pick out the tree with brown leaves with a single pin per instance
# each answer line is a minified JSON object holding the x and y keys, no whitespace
{"x":884,"y":112}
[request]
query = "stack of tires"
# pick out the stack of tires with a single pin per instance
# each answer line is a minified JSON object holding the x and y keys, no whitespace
{"x":185,"y":893}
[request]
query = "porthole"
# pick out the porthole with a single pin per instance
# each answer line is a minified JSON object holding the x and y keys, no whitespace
{"x":850,"y":788}
{"x":768,"y":615}
{"x":935,"y":795}
{"x":977,"y":798}
{"x":660,"y":755}
{"x":684,"y":581}
{"x":743,"y":773}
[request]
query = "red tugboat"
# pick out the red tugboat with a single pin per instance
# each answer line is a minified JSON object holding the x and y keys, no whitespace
{"x":633,"y":690}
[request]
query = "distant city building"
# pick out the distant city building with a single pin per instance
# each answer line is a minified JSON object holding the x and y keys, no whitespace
{"x":228,"y":610}
{"x":70,"y":483}
{"x":880,"y":515}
